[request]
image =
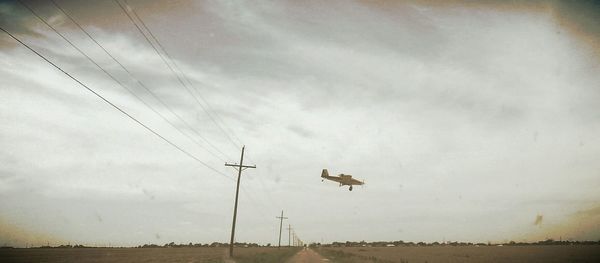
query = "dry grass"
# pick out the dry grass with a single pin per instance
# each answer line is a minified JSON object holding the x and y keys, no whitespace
{"x":89,"y":255}
{"x":264,"y":254}
{"x":149,"y":255}
{"x":580,"y":253}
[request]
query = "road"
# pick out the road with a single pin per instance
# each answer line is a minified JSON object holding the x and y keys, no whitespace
{"x":307,"y":256}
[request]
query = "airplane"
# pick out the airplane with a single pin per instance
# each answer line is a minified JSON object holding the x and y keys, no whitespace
{"x":343,"y":179}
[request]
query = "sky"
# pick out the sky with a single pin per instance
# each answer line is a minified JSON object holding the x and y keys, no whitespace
{"x":467,"y":121}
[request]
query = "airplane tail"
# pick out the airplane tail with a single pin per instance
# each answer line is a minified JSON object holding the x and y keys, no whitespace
{"x":324,"y":173}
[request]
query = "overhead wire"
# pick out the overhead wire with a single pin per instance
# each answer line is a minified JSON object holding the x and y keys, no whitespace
{"x":175,"y":64}
{"x":160,"y":46}
{"x":111,"y":76}
{"x":171,"y":68}
{"x":102,"y":97}
{"x":113,"y":105}
{"x":124,"y":9}
{"x":169,"y":58}
{"x":132,"y":20}
{"x":141,"y":84}
{"x":252,"y":200}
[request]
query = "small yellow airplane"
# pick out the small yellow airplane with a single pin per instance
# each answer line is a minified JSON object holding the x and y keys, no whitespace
{"x":343,"y":179}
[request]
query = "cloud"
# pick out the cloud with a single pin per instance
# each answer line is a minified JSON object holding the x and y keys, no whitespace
{"x":301,"y":131}
{"x":476,"y":112}
{"x":15,"y":19}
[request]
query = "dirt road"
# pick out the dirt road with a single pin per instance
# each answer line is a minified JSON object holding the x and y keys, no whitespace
{"x":307,"y":256}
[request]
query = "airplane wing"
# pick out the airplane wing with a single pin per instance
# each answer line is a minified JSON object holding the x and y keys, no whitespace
{"x":333,"y":178}
{"x":355,"y":182}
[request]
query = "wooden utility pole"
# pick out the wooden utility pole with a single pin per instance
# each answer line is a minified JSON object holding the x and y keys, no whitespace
{"x":289,"y":235}
{"x":280,"y":225}
{"x":294,"y":240}
{"x":239,"y":167}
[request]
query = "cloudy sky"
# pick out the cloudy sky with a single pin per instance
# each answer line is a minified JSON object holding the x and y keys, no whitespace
{"x":468,"y":121}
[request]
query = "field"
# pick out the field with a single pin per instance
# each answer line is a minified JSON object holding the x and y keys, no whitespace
{"x":579,"y":253}
{"x":263,"y":254}
{"x":149,"y":255}
{"x":547,"y":253}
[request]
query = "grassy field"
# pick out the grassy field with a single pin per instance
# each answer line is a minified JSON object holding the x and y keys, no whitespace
{"x":89,"y":255}
{"x":580,"y":253}
{"x":263,"y":255}
{"x":149,"y":255}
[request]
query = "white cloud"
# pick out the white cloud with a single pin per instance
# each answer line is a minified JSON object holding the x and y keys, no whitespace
{"x":465,"y":124}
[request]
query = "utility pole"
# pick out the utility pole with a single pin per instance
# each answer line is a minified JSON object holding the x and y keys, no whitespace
{"x":289,"y":235}
{"x":280,"y":225}
{"x":295,"y":240}
{"x":239,"y":167}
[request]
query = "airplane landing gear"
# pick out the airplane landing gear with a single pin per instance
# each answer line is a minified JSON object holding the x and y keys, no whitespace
{"x":350,"y":189}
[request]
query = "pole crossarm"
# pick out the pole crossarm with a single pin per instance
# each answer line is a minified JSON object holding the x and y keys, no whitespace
{"x":237,"y":165}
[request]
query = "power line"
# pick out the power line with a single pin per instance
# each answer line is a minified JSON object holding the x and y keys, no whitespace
{"x":169,"y":66}
{"x":114,"y":105}
{"x":175,"y":64}
{"x":184,"y":75}
{"x":121,"y":84}
{"x":146,"y":88}
{"x":156,"y":48}
{"x":99,"y":67}
{"x":166,"y":58}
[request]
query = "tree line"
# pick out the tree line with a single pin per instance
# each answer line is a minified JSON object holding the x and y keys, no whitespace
{"x":450,"y":243}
